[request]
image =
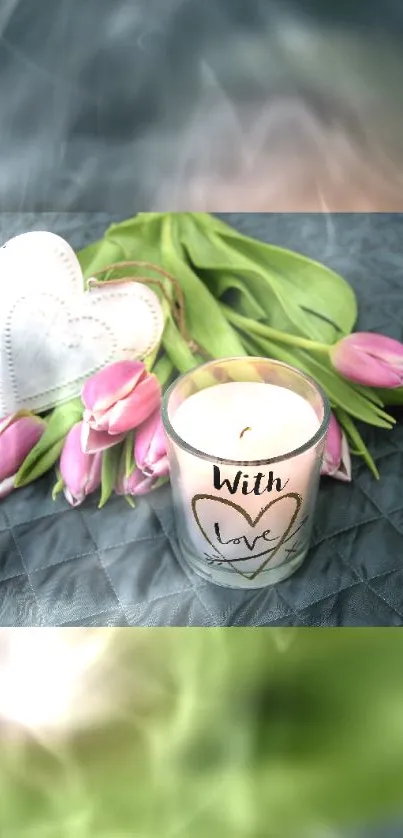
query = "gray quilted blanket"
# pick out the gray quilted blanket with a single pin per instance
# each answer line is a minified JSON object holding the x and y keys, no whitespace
{"x":63,"y":566}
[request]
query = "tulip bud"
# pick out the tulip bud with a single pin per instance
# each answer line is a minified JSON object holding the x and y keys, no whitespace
{"x":336,"y":459}
{"x":370,"y":359}
{"x":120,"y":397}
{"x":150,"y":452}
{"x":19,"y":434}
{"x":136,"y":484}
{"x":81,"y":472}
{"x":92,"y":442}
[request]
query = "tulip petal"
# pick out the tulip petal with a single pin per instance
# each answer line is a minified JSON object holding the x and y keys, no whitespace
{"x":344,"y":472}
{"x":150,"y":441}
{"x":7,"y":486}
{"x":73,"y":461}
{"x":81,"y":472}
{"x":17,"y":439}
{"x":379,"y":346}
{"x":111,"y":384}
{"x":161,"y":469}
{"x":97,"y":421}
{"x":94,"y":441}
{"x":92,"y":483}
{"x":158,"y":469}
{"x":332,"y":455}
{"x":94,"y":475}
{"x":6,"y":421}
{"x":134,"y":485}
{"x":336,"y":459}
{"x":73,"y":500}
{"x":129,"y":413}
{"x":363,"y":369}
{"x":370,"y":359}
{"x":142,"y":485}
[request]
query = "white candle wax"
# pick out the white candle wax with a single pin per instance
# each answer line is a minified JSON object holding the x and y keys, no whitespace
{"x":240,"y":518}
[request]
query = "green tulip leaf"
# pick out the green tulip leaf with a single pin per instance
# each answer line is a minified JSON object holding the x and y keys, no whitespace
{"x":356,"y":439}
{"x":176,"y":348}
{"x":391,"y":397}
{"x":205,"y":321}
{"x":138,"y":238}
{"x":313,"y":299}
{"x":47,"y":451}
{"x":58,"y":487}
{"x":163,"y":369}
{"x":128,"y":465}
{"x":235,"y":292}
{"x":111,"y":459}
{"x":97,"y":256}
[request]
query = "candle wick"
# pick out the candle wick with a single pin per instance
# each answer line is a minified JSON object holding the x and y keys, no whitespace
{"x":244,"y":431}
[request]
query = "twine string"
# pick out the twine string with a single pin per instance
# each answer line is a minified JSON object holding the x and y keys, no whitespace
{"x":177,"y":305}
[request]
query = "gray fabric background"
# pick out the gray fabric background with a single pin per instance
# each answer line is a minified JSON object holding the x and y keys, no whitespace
{"x":118,"y":566}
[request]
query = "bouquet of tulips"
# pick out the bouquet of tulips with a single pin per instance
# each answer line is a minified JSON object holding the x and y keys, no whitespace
{"x":115,"y":439}
{"x":223,"y":294}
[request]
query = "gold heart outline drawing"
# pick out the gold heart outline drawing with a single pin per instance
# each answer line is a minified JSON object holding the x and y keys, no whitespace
{"x":252,"y":523}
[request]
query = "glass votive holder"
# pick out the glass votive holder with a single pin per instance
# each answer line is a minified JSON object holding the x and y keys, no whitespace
{"x":245,"y":441}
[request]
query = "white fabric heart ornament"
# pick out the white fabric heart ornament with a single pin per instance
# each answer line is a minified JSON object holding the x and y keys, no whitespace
{"x":53,"y":334}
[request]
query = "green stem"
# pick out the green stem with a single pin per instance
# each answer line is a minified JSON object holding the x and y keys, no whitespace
{"x":253,"y":326}
{"x":163,"y":369}
{"x":361,"y":449}
{"x":127,"y":462}
{"x":149,"y":361}
{"x":58,"y":487}
{"x":177,"y":349}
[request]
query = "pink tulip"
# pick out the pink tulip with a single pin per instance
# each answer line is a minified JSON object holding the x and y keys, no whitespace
{"x":150,"y":451}
{"x":336,"y":459}
{"x":19,"y":433}
{"x":81,"y":472}
{"x":92,"y":442}
{"x":136,"y":484}
{"x":120,"y":397}
{"x":370,"y":359}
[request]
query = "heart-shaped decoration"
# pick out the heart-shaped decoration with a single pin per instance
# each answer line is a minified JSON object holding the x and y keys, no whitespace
{"x":53,"y":334}
{"x":240,"y":541}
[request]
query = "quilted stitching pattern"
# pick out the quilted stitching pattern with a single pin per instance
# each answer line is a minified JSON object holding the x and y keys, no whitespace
{"x":60,"y":566}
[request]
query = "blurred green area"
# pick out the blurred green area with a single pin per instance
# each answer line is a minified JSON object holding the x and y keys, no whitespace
{"x":221,"y":733}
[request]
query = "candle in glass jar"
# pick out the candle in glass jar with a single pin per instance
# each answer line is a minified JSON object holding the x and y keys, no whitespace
{"x":245,"y":420}
{"x":240,"y":515}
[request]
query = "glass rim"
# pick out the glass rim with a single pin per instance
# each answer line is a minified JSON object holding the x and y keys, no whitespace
{"x":212,"y":458}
